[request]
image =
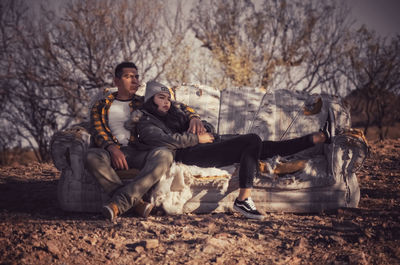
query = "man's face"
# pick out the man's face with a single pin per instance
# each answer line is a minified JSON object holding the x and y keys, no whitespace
{"x":128,"y":84}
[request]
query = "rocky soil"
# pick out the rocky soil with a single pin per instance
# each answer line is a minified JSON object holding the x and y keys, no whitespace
{"x":33,"y":230}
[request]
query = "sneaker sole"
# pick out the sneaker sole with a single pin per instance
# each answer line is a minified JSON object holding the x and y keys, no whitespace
{"x":147,"y":211}
{"x":248,"y":215}
{"x":107,"y":213}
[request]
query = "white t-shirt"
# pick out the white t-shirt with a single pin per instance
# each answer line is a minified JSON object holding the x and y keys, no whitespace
{"x":118,"y":114}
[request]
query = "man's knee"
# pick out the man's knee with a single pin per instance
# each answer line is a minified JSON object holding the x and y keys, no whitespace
{"x":95,"y":156}
{"x":162,"y":155}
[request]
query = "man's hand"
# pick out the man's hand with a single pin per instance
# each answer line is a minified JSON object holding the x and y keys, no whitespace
{"x":205,"y":138}
{"x":117,"y":157}
{"x":196,"y":126}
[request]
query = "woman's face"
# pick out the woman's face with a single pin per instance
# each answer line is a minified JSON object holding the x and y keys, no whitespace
{"x":163,"y":101}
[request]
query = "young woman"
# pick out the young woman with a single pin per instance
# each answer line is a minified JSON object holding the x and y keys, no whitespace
{"x":165,"y":125}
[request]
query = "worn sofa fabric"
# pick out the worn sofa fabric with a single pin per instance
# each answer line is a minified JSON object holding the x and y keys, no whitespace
{"x":77,"y":189}
{"x":328,"y":180}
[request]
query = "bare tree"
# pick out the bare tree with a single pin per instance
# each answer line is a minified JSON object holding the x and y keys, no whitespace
{"x":219,"y":26}
{"x":11,"y":17}
{"x":374,"y":72}
{"x":290,"y":44}
{"x":55,"y":64}
{"x":91,"y":37}
{"x":34,"y":105}
{"x":177,"y":64}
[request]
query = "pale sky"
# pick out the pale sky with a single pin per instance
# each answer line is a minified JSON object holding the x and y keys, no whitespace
{"x":380,"y":15}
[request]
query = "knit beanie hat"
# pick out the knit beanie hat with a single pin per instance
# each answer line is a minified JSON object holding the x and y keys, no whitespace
{"x":154,"y":87}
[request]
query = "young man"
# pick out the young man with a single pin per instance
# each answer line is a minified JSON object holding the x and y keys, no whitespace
{"x":114,"y":151}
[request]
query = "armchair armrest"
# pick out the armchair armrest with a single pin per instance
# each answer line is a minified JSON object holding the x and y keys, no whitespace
{"x":71,"y":142}
{"x":347,"y":154}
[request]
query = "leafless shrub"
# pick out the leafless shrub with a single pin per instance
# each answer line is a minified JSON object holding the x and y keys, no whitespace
{"x":374,"y":71}
{"x":53,"y":65}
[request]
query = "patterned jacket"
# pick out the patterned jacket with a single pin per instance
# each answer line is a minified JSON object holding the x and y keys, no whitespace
{"x":100,"y":129}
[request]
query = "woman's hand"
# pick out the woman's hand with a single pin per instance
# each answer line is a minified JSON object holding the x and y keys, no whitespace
{"x":205,"y":138}
{"x":196,"y":126}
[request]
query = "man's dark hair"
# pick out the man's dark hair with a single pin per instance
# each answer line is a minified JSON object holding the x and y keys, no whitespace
{"x":118,"y":69}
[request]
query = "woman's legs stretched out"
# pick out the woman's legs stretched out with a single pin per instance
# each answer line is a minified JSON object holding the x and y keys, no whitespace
{"x":292,"y":146}
{"x":243,"y":149}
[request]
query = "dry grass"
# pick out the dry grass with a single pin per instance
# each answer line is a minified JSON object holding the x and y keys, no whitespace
{"x":393,"y":132}
{"x":17,"y":156}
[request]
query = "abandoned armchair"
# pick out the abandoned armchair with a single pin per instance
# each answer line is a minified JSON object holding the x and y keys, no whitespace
{"x":322,"y":177}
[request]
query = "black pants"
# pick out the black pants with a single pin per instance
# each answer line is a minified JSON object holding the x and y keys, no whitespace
{"x":285,"y":148}
{"x":282,"y":148}
{"x":243,"y":149}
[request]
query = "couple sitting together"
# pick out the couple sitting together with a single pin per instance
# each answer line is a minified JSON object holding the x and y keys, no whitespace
{"x":166,"y":131}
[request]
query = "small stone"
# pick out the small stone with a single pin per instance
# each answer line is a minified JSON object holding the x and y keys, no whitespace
{"x":186,"y":234}
{"x":151,"y":243}
{"x":223,"y":235}
{"x":211,"y":226}
{"x":338,"y":239}
{"x":139,"y":249}
{"x":144,"y":224}
{"x":40,"y":255}
{"x":209,"y":249}
{"x":118,"y":244}
{"x":299,"y":245}
{"x":301,"y":242}
{"x":259,"y":236}
{"x":52,"y":247}
{"x":220,"y":260}
{"x":280,"y":233}
{"x":91,"y":241}
{"x":241,"y":235}
{"x":216,"y":244}
{"x":113,"y":255}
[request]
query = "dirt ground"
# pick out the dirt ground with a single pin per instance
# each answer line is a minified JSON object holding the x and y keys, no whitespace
{"x":33,"y":230}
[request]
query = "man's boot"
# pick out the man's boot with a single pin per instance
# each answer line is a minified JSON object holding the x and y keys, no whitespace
{"x":143,"y":208}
